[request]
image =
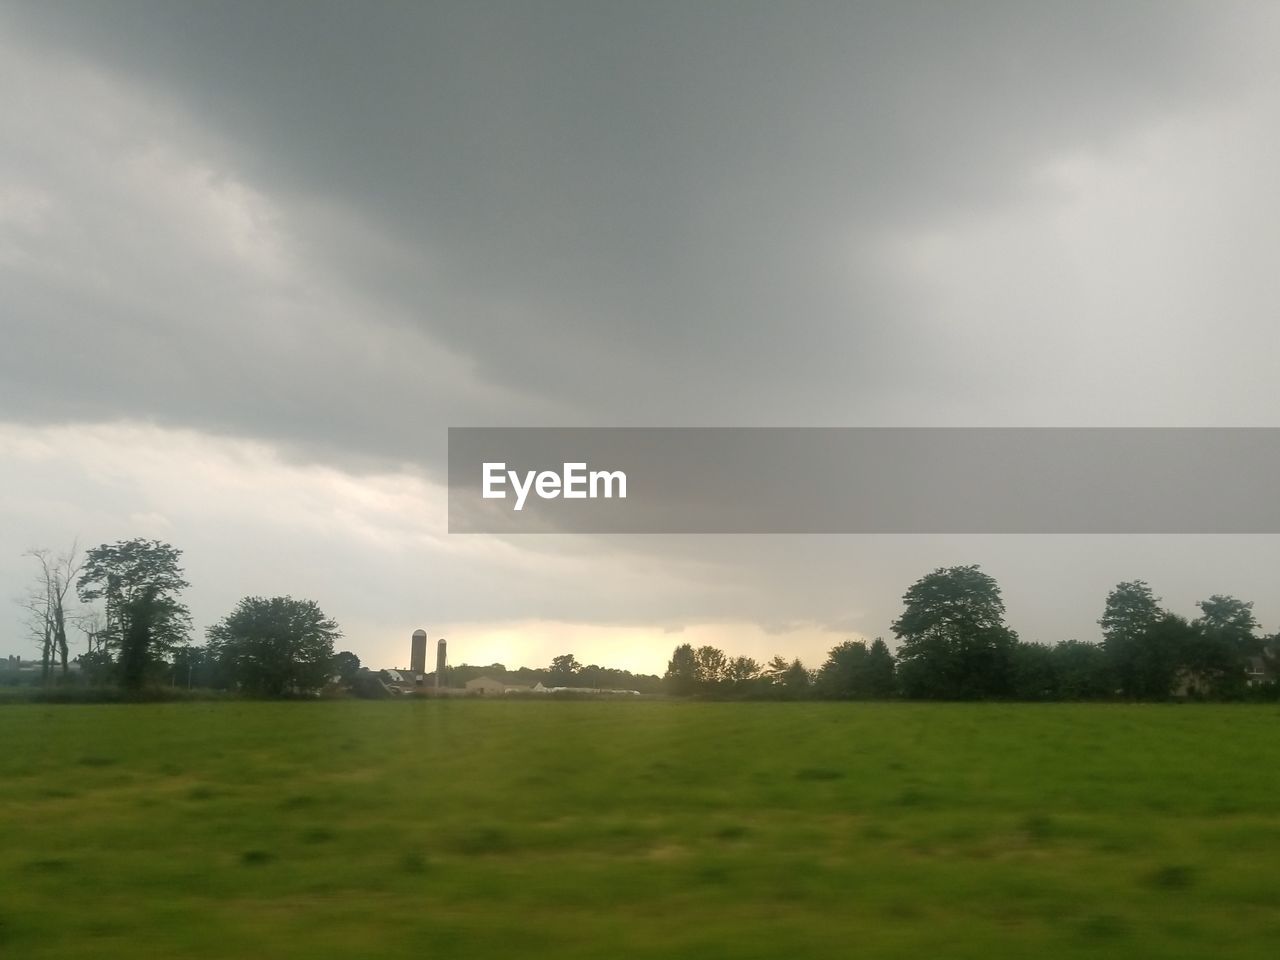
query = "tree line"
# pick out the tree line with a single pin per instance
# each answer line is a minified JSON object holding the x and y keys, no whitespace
{"x":954,"y":644}
{"x":138,"y":635}
{"x":137,"y":629}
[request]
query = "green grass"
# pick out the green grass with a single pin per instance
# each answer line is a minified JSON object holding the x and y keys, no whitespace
{"x":532,"y":829}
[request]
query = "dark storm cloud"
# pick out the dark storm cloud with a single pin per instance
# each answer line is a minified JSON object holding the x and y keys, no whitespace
{"x":605,"y":213}
{"x":342,"y":227}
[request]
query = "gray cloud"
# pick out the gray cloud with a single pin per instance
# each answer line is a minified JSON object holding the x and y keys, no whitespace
{"x":343,"y":227}
{"x":647,"y":212}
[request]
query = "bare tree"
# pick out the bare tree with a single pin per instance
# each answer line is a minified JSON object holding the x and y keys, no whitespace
{"x":47,"y":603}
{"x":94,"y":627}
{"x":96,"y":662}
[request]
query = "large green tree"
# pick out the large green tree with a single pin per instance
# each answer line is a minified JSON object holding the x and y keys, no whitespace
{"x":1143,"y":646}
{"x":797,"y":681}
{"x":712,"y":667}
{"x":1225,"y":638}
{"x":954,"y":642}
{"x":275,"y":646}
{"x":844,"y":675}
{"x":347,"y":665}
{"x":882,"y":679}
{"x":139,"y":582}
{"x":564,"y":669}
{"x":742,"y":671}
{"x":681,"y":678}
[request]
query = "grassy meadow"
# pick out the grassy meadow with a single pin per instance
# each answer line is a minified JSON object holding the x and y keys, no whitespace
{"x":646,"y":829}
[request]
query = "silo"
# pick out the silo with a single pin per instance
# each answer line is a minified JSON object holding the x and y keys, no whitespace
{"x":440,"y":663}
{"x":418,"y":654}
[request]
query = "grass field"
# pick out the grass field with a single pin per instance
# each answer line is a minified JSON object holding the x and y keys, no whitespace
{"x":532,"y":829}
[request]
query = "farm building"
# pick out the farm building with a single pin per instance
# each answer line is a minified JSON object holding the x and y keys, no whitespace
{"x":595,"y":691}
{"x":487,"y":686}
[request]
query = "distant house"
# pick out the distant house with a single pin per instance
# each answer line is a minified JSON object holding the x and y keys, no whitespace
{"x":1193,"y":683}
{"x":488,"y":686}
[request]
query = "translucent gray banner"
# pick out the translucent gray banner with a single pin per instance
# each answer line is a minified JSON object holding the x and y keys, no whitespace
{"x":863,"y":480}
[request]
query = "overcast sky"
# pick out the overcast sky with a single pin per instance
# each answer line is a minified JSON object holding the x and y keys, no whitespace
{"x":255,"y":258}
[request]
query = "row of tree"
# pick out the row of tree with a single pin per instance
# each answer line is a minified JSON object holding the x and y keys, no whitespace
{"x":853,"y":671}
{"x":138,"y":634}
{"x":954,"y":644}
{"x":138,"y":629}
